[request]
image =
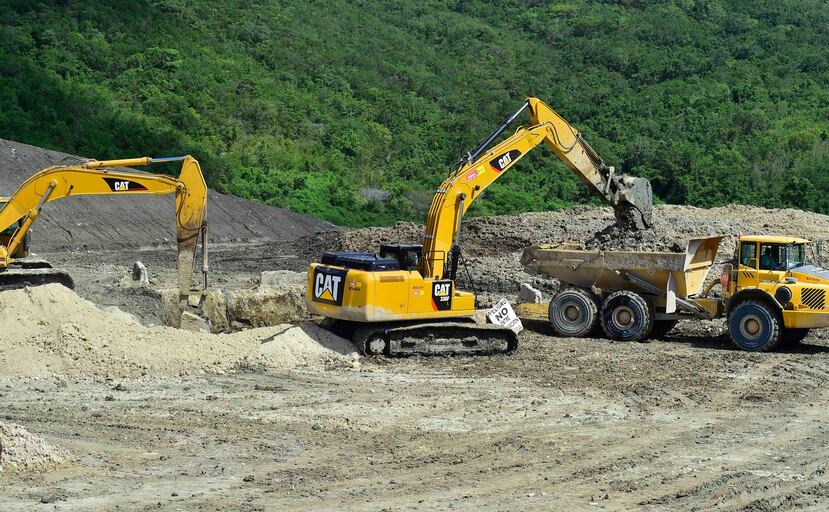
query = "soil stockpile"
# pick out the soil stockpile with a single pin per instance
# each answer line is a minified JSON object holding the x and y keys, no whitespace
{"x":590,"y":226}
{"x":49,"y":330}
{"x":21,"y":449}
{"x":110,"y":222}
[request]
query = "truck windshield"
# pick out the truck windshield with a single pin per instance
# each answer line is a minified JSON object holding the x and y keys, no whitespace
{"x":795,"y":256}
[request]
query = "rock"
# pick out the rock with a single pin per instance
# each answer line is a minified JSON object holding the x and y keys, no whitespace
{"x":49,"y":498}
{"x":120,"y":314}
{"x":282,"y":280}
{"x":215,"y":308}
{"x":192,"y":322}
{"x":530,"y":295}
{"x":139,"y":273}
{"x":264,"y":307}
{"x":170,"y":308}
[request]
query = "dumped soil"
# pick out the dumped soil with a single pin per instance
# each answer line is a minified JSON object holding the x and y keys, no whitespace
{"x":107,"y":222}
{"x":19,"y":449}
{"x":49,"y":330}
{"x":618,"y":238}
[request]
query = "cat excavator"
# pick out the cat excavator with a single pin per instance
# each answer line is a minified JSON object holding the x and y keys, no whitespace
{"x":93,"y":177}
{"x":404,"y":300}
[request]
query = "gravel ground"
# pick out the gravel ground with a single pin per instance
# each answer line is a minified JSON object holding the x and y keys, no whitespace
{"x":685,"y":423}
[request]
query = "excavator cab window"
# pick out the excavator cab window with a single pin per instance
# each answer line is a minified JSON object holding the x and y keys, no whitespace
{"x":407,"y":254}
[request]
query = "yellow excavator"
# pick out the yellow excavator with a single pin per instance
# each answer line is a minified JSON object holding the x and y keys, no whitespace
{"x":404,"y":300}
{"x":19,"y":212}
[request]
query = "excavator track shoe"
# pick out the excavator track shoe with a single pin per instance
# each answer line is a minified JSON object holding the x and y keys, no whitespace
{"x":439,"y":338}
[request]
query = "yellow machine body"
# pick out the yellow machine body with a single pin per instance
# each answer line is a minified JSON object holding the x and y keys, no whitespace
{"x":800,"y":291}
{"x":425,"y":290}
{"x":21,"y":210}
{"x":388,"y":296}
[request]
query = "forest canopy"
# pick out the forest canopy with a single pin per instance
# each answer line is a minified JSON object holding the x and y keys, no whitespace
{"x":355,"y":111}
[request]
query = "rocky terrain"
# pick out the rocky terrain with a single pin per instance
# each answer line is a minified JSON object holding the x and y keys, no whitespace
{"x":103,"y":408}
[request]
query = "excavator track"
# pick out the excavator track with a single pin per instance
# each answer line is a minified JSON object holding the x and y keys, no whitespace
{"x":438,"y":338}
{"x":33,"y":272}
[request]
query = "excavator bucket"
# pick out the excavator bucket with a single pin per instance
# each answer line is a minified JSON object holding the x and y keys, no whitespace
{"x":633,"y":203}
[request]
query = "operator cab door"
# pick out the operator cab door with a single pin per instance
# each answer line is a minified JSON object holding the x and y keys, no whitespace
{"x":747,"y":264}
{"x":772,"y":261}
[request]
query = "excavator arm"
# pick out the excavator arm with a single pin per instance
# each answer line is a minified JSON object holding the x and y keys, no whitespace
{"x":96,"y":178}
{"x":630,"y":197}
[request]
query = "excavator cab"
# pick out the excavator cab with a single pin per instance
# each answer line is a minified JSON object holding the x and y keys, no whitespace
{"x":8,"y":233}
{"x":408,"y":255}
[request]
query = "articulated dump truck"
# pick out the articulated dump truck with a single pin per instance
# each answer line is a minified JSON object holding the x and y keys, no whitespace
{"x":769,"y":293}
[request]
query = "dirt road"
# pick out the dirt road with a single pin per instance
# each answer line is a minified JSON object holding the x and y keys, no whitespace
{"x":681,"y":424}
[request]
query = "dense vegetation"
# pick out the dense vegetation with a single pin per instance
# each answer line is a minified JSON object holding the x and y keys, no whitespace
{"x":321,"y":105}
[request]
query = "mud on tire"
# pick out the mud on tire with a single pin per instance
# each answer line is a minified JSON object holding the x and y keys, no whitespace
{"x":755,"y":326}
{"x":626,"y":316}
{"x":573,"y":312}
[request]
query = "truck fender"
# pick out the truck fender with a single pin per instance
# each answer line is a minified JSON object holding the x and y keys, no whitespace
{"x":751,"y":293}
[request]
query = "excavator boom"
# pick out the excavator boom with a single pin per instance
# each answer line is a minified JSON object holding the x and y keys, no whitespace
{"x":97,"y":178}
{"x":630,"y":197}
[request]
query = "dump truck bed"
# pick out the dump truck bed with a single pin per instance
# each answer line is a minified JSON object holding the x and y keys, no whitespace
{"x":679,"y":274}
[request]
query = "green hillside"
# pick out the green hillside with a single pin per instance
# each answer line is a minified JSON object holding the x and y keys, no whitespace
{"x":307,"y":104}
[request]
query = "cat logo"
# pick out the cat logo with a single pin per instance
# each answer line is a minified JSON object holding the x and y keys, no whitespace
{"x":501,"y":162}
{"x":328,"y":285}
{"x":442,"y":295}
{"x":117,"y":185}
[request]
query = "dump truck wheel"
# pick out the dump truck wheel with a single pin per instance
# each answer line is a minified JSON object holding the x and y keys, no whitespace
{"x":626,"y":316}
{"x":754,"y":326}
{"x":793,"y":336}
{"x":573,"y":312}
{"x":662,"y":327}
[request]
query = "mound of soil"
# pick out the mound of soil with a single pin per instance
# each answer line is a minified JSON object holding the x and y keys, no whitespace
{"x":22,"y":450}
{"x":619,"y":238}
{"x":49,"y":330}
{"x":114,"y":222}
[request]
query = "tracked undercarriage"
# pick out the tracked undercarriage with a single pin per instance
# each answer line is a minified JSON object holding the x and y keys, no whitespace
{"x":32,"y":272}
{"x":435,"y":338}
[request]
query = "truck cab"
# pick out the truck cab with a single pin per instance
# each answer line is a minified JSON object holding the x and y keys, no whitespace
{"x":773,"y":293}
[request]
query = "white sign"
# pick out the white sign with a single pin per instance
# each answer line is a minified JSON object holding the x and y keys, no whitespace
{"x":503,"y":314}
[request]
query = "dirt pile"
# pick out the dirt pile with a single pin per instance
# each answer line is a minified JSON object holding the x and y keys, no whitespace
{"x":619,"y":238}
{"x":21,"y":449}
{"x":105,"y":222}
{"x":49,"y":330}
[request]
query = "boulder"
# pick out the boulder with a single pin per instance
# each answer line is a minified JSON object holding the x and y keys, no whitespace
{"x":529,"y":295}
{"x":139,"y":273}
{"x":170,"y":308}
{"x":191,"y":321}
{"x":282,"y":280}
{"x":263,"y":307}
{"x":214,"y":308}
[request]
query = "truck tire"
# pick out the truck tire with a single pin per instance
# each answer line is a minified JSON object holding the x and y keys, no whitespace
{"x":755,"y":326}
{"x":793,"y":336}
{"x":662,"y":327}
{"x":573,"y":312}
{"x":626,"y":316}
